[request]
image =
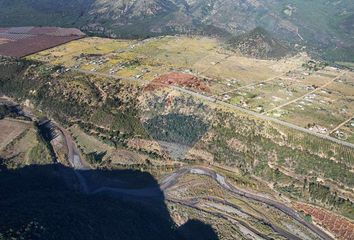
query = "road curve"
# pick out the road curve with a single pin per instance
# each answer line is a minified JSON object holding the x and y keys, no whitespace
{"x":172,"y":179}
{"x":77,"y":163}
{"x":193,"y":204}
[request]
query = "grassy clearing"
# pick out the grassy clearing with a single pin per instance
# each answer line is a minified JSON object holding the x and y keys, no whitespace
{"x":25,"y":147}
{"x":67,"y":54}
{"x":10,"y":130}
{"x":327,"y":108}
{"x":157,"y":56}
{"x":347,"y":64}
{"x":151,"y":57}
{"x":89,"y":144}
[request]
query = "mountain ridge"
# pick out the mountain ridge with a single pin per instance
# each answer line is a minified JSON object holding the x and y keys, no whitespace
{"x":258,"y":43}
{"x":325,"y":27}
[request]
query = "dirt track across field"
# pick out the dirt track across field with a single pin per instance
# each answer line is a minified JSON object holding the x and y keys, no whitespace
{"x":228,"y":105}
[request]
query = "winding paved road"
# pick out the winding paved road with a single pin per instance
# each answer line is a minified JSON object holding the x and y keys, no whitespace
{"x":270,"y":202}
{"x":172,"y":179}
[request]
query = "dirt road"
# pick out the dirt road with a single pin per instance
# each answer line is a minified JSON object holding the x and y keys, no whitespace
{"x":228,"y":105}
{"x":305,"y":95}
{"x":264,"y":117}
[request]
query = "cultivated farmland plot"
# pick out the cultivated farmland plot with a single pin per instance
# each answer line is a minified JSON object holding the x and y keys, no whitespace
{"x":22,"y":41}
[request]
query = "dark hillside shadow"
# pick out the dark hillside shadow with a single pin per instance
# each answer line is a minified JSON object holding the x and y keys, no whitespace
{"x":45,"y":202}
{"x":196,"y":230}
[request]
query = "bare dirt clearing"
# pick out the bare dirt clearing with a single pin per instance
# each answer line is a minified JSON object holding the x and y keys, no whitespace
{"x":178,"y":79}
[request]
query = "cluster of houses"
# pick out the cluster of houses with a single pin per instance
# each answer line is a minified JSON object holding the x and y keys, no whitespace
{"x":319,"y":129}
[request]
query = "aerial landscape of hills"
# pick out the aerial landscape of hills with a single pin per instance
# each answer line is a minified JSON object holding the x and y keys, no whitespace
{"x":176,"y":119}
{"x":326,"y":27}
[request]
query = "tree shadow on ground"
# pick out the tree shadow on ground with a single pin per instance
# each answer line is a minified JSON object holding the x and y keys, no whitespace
{"x":47,"y":202}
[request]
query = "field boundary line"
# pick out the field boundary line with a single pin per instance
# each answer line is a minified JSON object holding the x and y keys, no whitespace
{"x":341,"y":125}
{"x":255,"y":83}
{"x":266,"y":118}
{"x":246,"y":111}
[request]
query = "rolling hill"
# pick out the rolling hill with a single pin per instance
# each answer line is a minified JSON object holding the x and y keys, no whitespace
{"x":259,"y":43}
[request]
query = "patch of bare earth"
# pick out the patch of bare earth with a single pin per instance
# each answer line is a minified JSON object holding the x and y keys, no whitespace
{"x":180,"y":80}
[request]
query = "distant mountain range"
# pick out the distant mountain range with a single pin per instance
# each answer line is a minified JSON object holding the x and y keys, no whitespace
{"x":326,"y":27}
{"x":258,"y":43}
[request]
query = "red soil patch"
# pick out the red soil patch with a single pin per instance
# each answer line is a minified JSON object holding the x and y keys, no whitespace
{"x":23,"y":41}
{"x":341,"y":227}
{"x":178,"y":79}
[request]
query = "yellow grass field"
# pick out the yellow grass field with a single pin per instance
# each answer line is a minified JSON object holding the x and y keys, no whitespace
{"x":150,"y":58}
{"x":284,"y":88}
{"x":10,"y":130}
{"x":20,"y":143}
